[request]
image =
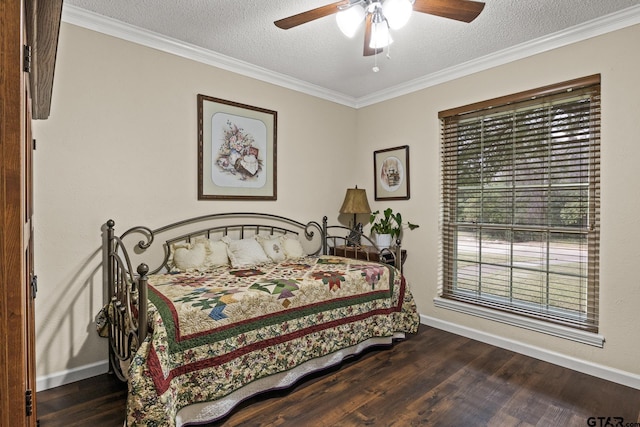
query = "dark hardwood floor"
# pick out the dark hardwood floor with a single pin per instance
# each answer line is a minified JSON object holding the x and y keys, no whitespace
{"x":433,"y":378}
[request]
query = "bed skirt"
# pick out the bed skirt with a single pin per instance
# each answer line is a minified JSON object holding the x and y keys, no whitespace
{"x":206,"y":412}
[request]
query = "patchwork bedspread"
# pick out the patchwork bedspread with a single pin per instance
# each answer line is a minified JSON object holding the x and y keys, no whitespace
{"x":213,"y":334}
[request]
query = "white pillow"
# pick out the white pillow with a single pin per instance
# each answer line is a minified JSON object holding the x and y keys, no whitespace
{"x":272,"y":247}
{"x":216,"y":251}
{"x":292,"y":248}
{"x":188,"y":256}
{"x":245,"y":252}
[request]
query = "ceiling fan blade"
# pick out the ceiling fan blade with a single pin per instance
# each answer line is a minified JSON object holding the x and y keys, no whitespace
{"x":368,"y":51}
{"x":460,"y":10}
{"x":309,"y":15}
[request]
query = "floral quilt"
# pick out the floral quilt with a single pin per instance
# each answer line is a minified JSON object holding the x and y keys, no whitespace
{"x":214,"y":333}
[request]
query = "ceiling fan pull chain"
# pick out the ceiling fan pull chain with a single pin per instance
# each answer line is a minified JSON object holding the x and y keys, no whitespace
{"x":375,"y":62}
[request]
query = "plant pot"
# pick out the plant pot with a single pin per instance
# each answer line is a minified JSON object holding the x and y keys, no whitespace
{"x":383,"y":240}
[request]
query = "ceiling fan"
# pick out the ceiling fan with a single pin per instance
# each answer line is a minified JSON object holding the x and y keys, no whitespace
{"x":381,"y":15}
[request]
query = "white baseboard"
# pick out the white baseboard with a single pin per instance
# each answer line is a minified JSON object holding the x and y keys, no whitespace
{"x":610,"y":374}
{"x":71,"y":375}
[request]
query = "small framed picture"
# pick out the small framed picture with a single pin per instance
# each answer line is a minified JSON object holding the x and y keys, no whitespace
{"x":236,"y":151}
{"x":391,"y":173}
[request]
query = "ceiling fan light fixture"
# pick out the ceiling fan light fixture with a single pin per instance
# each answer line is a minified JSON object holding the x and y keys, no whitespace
{"x":380,"y":36}
{"x":349,"y":19}
{"x":397,"y":12}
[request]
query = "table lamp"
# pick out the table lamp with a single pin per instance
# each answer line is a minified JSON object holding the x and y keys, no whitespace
{"x":355,"y":202}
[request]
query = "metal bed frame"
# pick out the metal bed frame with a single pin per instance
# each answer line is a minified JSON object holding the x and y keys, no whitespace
{"x":126,"y":288}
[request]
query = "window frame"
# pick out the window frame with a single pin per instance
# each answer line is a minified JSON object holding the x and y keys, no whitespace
{"x":583,"y":330}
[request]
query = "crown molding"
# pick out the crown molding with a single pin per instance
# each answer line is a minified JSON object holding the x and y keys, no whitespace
{"x":587,"y":30}
{"x":112,"y":27}
{"x":612,"y":22}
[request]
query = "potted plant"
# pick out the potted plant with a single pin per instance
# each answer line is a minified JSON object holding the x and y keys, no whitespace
{"x":388,"y":226}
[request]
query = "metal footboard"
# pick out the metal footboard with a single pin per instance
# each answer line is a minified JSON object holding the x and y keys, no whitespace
{"x":127,"y":304}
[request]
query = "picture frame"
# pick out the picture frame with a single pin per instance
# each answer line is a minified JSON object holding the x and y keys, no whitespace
{"x":391,"y":173}
{"x":237,"y":151}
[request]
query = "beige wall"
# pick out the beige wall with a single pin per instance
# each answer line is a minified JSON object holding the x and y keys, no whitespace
{"x":412,"y":119}
{"x":121,"y":144}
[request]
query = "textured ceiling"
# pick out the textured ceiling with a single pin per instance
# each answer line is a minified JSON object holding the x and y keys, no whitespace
{"x":317,"y":53}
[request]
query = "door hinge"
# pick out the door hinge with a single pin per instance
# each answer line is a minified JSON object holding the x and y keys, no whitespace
{"x":27,"y":58}
{"x":34,"y":286}
{"x":29,"y":402}
{"x":34,"y":144}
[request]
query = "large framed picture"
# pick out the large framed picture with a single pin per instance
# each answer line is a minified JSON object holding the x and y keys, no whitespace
{"x":236,"y":151}
{"x":391,"y":173}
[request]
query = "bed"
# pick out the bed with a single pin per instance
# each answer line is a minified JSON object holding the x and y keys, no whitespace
{"x":209,"y":311}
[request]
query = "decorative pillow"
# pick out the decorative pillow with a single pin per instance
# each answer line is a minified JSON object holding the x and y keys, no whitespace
{"x":188,"y":256}
{"x":272,"y":246}
{"x":216,"y":252}
{"x":245,"y":252}
{"x":292,"y":248}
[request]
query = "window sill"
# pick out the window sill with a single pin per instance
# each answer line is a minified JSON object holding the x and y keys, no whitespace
{"x":560,"y":331}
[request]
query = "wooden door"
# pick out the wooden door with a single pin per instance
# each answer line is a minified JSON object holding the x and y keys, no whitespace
{"x":17,"y":328}
{"x":34,"y":23}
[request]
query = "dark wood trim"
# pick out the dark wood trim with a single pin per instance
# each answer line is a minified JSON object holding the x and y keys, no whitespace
{"x":523,"y":96}
{"x":43,"y":26}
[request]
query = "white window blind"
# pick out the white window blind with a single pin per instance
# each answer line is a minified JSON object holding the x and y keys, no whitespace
{"x":520,"y":203}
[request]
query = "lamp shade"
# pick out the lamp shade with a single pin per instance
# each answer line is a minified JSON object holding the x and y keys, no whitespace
{"x":355,"y":202}
{"x":349,"y":19}
{"x":380,"y":36}
{"x":397,"y":12}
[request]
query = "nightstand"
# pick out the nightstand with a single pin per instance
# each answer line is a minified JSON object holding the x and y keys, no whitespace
{"x":368,"y":253}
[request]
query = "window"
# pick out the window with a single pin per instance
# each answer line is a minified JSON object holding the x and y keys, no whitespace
{"x":520,"y":204}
